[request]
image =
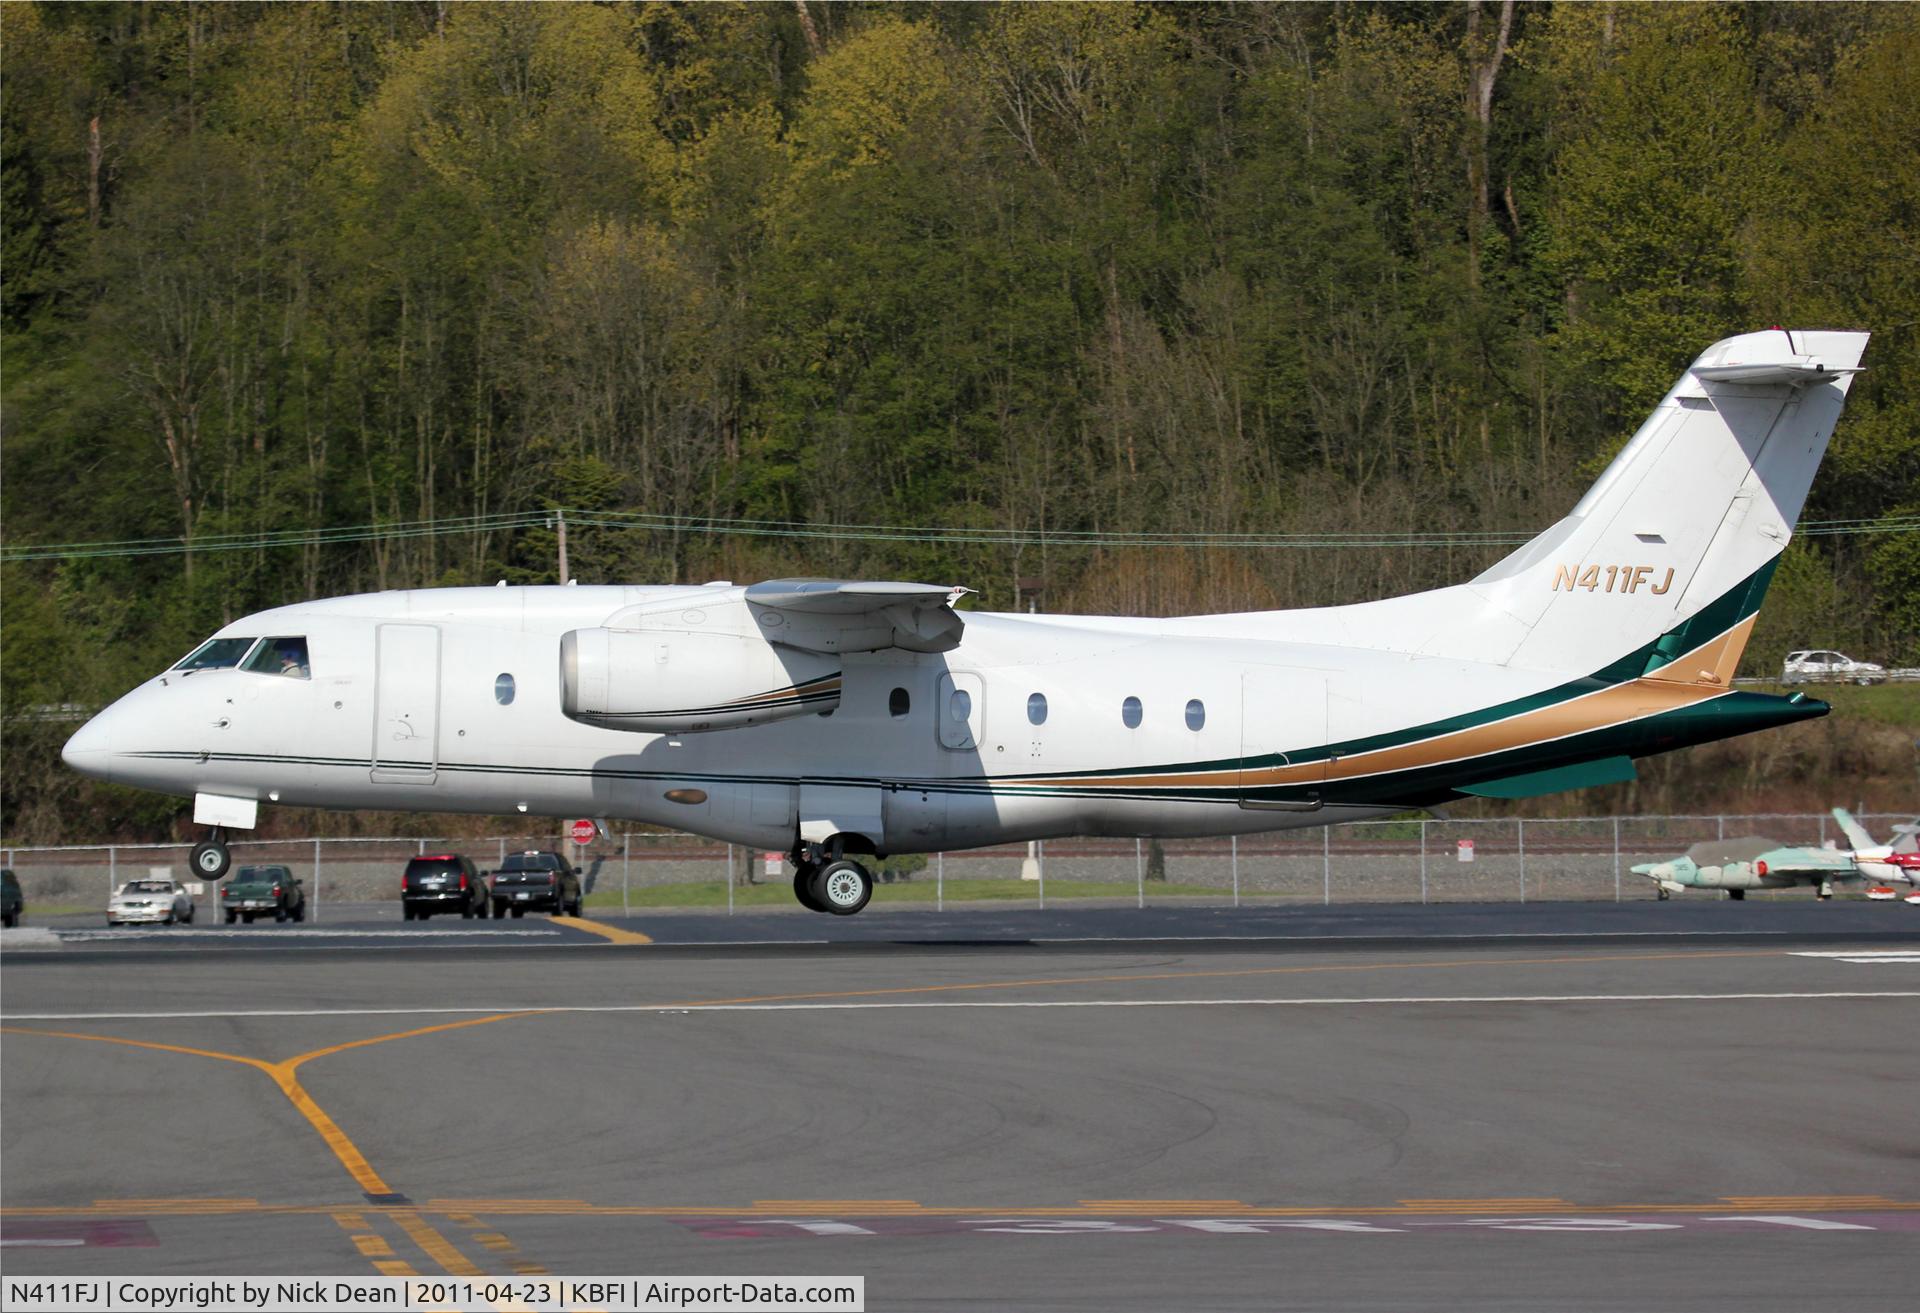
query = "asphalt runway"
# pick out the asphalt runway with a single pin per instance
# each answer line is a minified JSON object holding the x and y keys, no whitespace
{"x":1686,"y":1105}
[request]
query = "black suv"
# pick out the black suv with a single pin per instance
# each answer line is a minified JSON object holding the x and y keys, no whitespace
{"x":540,"y":882}
{"x":447,"y":882}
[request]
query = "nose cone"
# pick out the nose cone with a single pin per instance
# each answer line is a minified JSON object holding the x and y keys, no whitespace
{"x":90,"y":749}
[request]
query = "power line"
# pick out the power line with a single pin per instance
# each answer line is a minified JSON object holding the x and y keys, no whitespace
{"x":634,"y":521}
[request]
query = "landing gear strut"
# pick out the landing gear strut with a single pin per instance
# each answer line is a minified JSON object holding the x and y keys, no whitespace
{"x":211,"y":859}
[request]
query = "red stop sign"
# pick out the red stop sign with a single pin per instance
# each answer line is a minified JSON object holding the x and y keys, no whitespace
{"x":583,"y":832}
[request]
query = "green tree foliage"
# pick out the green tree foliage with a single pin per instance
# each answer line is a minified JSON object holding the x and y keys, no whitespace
{"x":1021,"y":267}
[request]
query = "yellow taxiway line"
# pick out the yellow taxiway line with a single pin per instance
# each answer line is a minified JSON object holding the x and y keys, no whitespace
{"x":612,"y":934}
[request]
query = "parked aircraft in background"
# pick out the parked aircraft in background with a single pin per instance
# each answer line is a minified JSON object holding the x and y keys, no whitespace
{"x":1737,"y":865}
{"x":837,"y":719}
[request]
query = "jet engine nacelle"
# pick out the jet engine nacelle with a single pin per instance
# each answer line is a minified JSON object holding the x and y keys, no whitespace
{"x":674,"y":682}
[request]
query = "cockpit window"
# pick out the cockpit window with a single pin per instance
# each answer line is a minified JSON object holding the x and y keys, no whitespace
{"x":216,"y":654}
{"x":286,"y":655}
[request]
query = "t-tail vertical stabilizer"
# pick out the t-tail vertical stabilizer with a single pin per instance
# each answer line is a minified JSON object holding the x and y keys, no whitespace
{"x":1666,"y":558}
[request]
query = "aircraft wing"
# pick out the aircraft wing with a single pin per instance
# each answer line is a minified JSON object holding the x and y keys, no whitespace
{"x":857,"y":615}
{"x":1719,"y":852}
{"x":1857,"y":836}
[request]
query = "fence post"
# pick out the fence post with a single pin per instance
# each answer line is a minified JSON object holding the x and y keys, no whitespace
{"x":1423,"y":861}
{"x":1520,"y":843}
{"x":1720,"y":827}
{"x":501,"y":860}
{"x":420,"y":847}
{"x":940,"y":882}
{"x":729,"y":879}
{"x":1139,"y":876}
{"x":1616,"y":859}
{"x":626,"y":863}
{"x":1236,"y":869}
{"x":1326,"y":865}
{"x":316,"y":879}
{"x":1040,"y":851}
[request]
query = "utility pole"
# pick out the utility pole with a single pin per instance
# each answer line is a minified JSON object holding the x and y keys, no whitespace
{"x":560,"y":523}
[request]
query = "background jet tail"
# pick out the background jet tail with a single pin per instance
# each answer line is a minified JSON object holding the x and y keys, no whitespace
{"x":1663,"y":563}
{"x":1857,"y":836}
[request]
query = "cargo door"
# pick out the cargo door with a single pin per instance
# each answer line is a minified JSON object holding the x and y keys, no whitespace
{"x":1282,"y":712}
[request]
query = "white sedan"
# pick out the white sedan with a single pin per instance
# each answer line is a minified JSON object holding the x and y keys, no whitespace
{"x":149,"y":902}
{"x":1829,"y":668}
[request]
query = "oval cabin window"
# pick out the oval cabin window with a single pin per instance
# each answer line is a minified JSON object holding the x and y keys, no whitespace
{"x":1196,"y":714}
{"x":898,"y":703}
{"x":1037,"y":708}
{"x":503,"y":689}
{"x":1130,"y":713}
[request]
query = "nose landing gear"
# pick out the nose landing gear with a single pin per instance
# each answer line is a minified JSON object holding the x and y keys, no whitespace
{"x":210,"y":859}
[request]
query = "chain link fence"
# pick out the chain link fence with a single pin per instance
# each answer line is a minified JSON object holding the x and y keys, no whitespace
{"x":1399,"y":861}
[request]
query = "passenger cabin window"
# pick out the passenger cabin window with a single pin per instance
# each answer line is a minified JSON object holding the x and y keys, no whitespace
{"x":281,"y":656}
{"x":960,"y":705}
{"x":898,"y":703}
{"x":1037,"y":708}
{"x":216,"y":654}
{"x":1130,"y":713}
{"x":503,"y":689}
{"x":1196,"y":714}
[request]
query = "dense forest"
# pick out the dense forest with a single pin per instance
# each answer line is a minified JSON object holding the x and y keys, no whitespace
{"x":1140,"y":308}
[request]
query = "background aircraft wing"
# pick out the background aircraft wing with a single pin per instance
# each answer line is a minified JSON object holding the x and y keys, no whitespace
{"x":857,"y":615}
{"x":1718,"y":852}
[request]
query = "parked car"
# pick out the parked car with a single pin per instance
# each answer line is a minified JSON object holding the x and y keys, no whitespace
{"x":536,"y":882}
{"x":12,"y":904}
{"x":264,"y":891}
{"x":1825,"y":667}
{"x":447,"y":882}
{"x":152,"y":901}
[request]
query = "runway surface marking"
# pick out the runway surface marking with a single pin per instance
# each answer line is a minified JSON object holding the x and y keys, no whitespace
{"x":1868,"y":956}
{"x":964,"y":986}
{"x":612,"y":934}
{"x":186,"y":936}
{"x":285,"y":1078}
{"x":683,"y":1009}
{"x":470,"y":1213}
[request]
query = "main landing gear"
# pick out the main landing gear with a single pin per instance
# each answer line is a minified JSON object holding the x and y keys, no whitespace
{"x":210,"y":859}
{"x":825,"y":881}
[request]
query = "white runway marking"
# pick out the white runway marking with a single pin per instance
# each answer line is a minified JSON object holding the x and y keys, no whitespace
{"x":682,"y":1009}
{"x":1868,"y":956}
{"x":114,"y":935}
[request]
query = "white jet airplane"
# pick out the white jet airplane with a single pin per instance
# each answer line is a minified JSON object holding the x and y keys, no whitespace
{"x":835,"y":719}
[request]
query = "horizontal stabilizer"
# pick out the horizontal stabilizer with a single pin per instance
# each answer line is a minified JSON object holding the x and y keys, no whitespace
{"x":1582,"y":775}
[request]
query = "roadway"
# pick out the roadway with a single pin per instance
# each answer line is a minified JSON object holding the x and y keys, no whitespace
{"x":1694,"y":1104}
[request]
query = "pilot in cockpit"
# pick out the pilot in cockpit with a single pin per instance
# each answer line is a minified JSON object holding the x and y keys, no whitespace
{"x":292,"y":653}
